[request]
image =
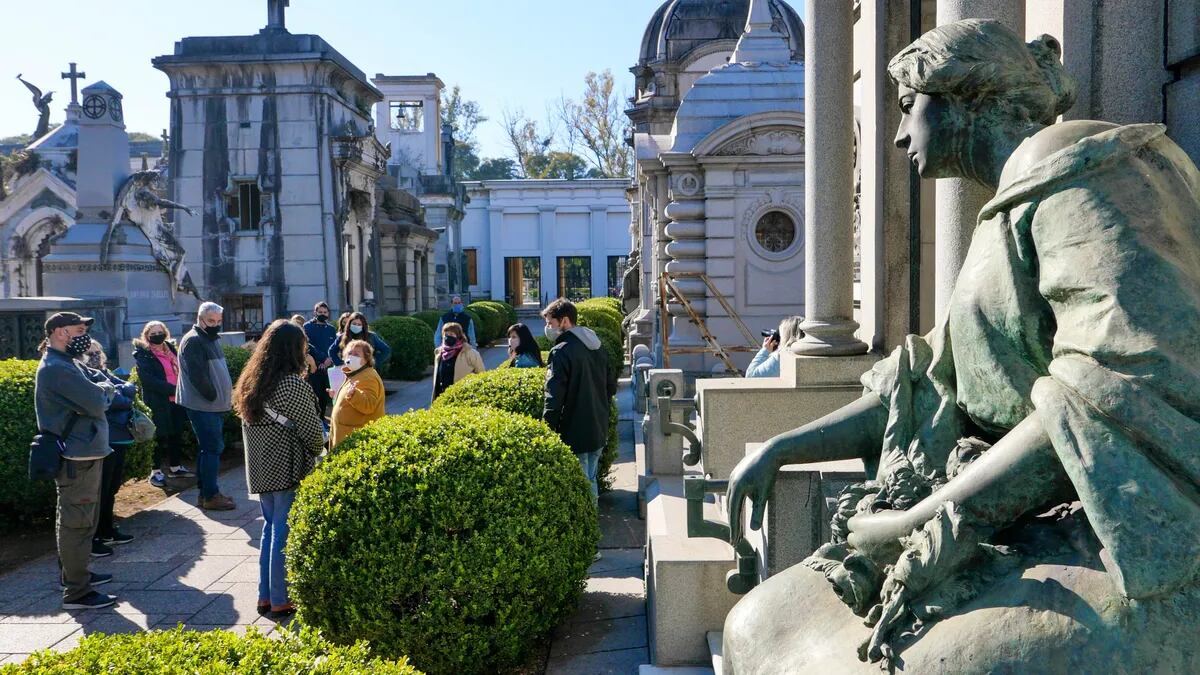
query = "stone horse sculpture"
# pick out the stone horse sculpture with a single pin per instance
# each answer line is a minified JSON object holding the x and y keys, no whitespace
{"x":1034,"y":461}
{"x":138,"y":202}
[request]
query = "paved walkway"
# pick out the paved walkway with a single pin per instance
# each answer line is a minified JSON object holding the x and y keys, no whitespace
{"x":201,"y":569}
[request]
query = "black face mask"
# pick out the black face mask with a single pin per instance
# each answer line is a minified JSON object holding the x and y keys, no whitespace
{"x":157,"y":338}
{"x":450,"y":340}
{"x":322,"y":318}
{"x":213,"y":331}
{"x":79,"y":344}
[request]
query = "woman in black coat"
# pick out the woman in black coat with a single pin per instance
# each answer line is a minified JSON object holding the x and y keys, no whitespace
{"x":158,"y":371}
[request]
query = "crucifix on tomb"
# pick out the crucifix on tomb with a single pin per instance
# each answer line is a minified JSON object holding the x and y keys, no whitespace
{"x":74,"y":76}
{"x":276,"y":19}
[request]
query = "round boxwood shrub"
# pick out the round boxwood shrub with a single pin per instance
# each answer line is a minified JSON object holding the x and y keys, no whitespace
{"x":217,"y":651}
{"x":515,"y":390}
{"x":507,"y":312}
{"x":612,"y":303}
{"x":20,"y":498}
{"x":236,"y":359}
{"x":480,"y":338}
{"x":521,"y":391}
{"x":493,"y":325}
{"x":429,"y":317}
{"x":411,"y":341}
{"x":457,"y":536}
{"x":598,"y":316}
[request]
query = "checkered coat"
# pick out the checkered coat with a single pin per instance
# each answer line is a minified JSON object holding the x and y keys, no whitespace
{"x":277,"y":457}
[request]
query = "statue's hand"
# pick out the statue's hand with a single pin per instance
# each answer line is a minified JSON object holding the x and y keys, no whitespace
{"x":752,"y":478}
{"x":189,"y":210}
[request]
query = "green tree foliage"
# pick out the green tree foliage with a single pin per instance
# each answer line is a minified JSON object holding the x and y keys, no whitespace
{"x":496,"y":168}
{"x":597,"y":121}
{"x":465,"y":116}
{"x":217,"y":651}
{"x":457,"y":536}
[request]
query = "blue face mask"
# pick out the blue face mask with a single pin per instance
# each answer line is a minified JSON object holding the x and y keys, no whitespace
{"x":458,"y":307}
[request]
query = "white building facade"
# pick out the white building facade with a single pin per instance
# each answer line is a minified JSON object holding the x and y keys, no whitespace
{"x":527,"y":242}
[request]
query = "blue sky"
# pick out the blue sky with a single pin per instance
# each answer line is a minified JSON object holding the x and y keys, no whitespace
{"x":503,"y":53}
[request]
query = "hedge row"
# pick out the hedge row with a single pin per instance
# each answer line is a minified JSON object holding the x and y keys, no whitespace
{"x":458,"y":536}
{"x":20,"y":498}
{"x":521,"y":391}
{"x":411,"y":341}
{"x":216,"y":651}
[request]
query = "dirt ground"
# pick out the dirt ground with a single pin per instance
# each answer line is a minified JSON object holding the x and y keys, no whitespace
{"x":35,"y":539}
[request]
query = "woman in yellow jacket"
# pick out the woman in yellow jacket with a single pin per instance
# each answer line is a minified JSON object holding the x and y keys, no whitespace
{"x":360,"y":401}
{"x":454,"y":360}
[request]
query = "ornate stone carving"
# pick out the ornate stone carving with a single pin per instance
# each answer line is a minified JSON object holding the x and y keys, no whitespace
{"x":771,"y":142}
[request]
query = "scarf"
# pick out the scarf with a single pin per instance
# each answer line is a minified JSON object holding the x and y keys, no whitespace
{"x":449,"y":353}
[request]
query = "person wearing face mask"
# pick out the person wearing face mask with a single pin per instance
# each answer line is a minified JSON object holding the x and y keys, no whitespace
{"x":457,"y":314}
{"x":360,"y":401}
{"x":321,"y":335}
{"x":158,"y":371}
{"x":72,"y":407}
{"x":523,"y":350}
{"x":357,"y":328}
{"x":454,"y":360}
{"x":205,"y":391}
{"x":112,"y":472}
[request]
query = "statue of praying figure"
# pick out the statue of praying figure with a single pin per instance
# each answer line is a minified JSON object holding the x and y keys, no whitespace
{"x":1033,"y":499}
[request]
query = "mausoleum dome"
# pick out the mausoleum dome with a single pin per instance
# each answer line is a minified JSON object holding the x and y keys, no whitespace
{"x":679,"y":27}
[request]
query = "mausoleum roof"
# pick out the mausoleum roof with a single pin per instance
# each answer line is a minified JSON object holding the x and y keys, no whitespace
{"x":678,"y":27}
{"x":733,"y":91}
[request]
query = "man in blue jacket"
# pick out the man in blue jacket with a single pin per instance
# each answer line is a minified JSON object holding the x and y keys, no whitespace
{"x":321,"y":334}
{"x":71,"y":406}
{"x":457,"y":314}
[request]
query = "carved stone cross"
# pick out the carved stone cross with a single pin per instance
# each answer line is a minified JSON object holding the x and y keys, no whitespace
{"x":276,"y":10}
{"x":74,"y":76}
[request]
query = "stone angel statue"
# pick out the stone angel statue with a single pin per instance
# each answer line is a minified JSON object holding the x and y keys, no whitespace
{"x":42,"y":103}
{"x":139,"y":202}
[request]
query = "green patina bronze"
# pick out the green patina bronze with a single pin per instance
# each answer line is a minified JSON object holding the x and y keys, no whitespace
{"x":1067,"y":372}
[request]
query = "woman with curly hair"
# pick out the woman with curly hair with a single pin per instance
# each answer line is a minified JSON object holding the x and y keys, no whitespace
{"x":356,"y":327}
{"x":282,"y":436}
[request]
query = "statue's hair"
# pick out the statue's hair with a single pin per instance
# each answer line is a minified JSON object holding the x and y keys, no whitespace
{"x":987,"y":66}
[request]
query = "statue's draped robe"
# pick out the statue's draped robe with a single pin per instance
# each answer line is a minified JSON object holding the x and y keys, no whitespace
{"x":1079,"y":298}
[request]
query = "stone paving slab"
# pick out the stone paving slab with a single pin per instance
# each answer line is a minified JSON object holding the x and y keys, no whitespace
{"x":197,"y":573}
{"x":599,"y":636}
{"x":614,"y":662}
{"x":32,"y":637}
{"x":611,"y":598}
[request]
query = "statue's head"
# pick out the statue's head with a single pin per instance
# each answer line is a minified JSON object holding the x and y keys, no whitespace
{"x":966,"y":83}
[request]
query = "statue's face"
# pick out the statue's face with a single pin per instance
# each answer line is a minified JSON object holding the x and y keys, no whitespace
{"x":932,"y":131}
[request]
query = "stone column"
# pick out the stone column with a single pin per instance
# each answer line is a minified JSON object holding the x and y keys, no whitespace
{"x":959,"y":200}
{"x":548,"y":283}
{"x":495,"y":254}
{"x":829,"y":182}
{"x":598,"y":222}
{"x":685,"y":252}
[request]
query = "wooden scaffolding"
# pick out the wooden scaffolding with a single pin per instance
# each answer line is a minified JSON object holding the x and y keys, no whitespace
{"x":666,"y":285}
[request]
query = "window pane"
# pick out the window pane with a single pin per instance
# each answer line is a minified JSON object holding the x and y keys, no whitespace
{"x":616,"y":274}
{"x":575,"y":277}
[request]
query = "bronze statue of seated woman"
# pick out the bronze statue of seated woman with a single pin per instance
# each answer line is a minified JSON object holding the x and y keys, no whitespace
{"x":1034,"y":501}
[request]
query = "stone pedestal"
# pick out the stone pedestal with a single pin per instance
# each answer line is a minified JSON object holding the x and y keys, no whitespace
{"x":734,"y":412}
{"x":663,"y":451}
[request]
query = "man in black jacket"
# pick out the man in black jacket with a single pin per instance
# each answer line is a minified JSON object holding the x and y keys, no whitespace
{"x":579,"y":387}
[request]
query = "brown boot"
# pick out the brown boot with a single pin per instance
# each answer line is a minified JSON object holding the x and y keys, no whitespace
{"x":217,"y":502}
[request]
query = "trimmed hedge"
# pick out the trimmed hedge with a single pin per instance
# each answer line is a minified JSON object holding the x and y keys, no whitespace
{"x":217,"y":651}
{"x":611,"y":303}
{"x":411,"y":341}
{"x":522,"y":391}
{"x":20,"y":498}
{"x":506,"y":311}
{"x":476,"y":319}
{"x":236,"y":359}
{"x":599,"y":316}
{"x":457,"y":536}
{"x":429,"y":317}
{"x":515,"y":390}
{"x":491,"y":325}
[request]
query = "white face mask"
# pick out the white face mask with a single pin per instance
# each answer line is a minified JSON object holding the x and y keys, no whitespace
{"x":355,"y":328}
{"x":514,"y":342}
{"x":354,"y":362}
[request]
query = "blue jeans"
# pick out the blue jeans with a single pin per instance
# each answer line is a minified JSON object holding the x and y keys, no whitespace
{"x":210,"y":436}
{"x":590,"y":463}
{"x":272,"y":578}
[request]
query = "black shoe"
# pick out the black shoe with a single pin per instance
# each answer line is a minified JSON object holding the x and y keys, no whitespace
{"x":117,"y":538}
{"x":96,"y":580}
{"x":99,"y":550}
{"x":92,"y":600}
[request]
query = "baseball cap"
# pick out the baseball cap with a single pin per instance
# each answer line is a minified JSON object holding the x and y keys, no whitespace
{"x":64,"y":319}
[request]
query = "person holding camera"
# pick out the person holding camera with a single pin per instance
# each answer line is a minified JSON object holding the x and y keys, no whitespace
{"x":71,"y":408}
{"x":766,"y":362}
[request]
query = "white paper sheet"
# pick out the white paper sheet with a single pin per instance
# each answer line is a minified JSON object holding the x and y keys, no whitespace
{"x":336,"y":379}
